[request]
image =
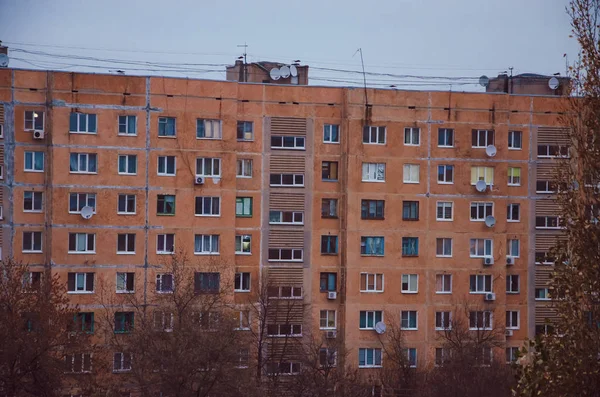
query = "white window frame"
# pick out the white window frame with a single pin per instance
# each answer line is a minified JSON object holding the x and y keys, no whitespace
{"x":378,"y":130}
{"x":127,"y":132}
{"x":370,"y":313}
{"x":478,"y":177}
{"x":408,"y":170}
{"x":325,"y":128}
{"x":512,"y":140}
{"x":412,"y":283}
{"x":292,"y":250}
{"x":510,"y":283}
{"x":165,"y":120}
{"x":550,"y":156}
{"x":159,"y":282}
{"x":487,"y":254}
{"x":239,"y":287}
{"x":299,"y":142}
{"x":245,"y":167}
{"x":127,"y":158}
{"x":483,"y":143}
{"x":410,"y":136}
{"x":244,"y":321}
{"x":210,"y":239}
{"x":33,"y":194}
{"x":410,"y":314}
{"x":512,"y":179}
{"x":33,"y":155}
{"x":549,"y":188}
{"x":327,"y":319}
{"x":487,"y":318}
{"x":371,"y":172}
{"x":444,"y":316}
{"x":214,"y":161}
{"x":86,"y":128}
{"x":126,"y":201}
{"x":85,"y":283}
{"x":375,"y":364}
{"x":165,"y":161}
{"x":510,"y":247}
{"x":211,"y":198}
{"x":546,"y":227}
{"x":445,"y":241}
{"x":31,"y":249}
{"x":215,"y":130}
{"x":444,"y":180}
{"x":373,"y":277}
{"x":511,"y":354}
{"x":83,"y":158}
{"x":487,"y":206}
{"x":127,"y":237}
{"x":88,"y":196}
{"x":73,"y":370}
{"x":281,"y":184}
{"x":125,"y":278}
{"x":480,"y":283}
{"x":445,"y":131}
{"x":241,"y":237}
{"x":122,"y":362}
{"x":163,"y":236}
{"x":509,"y":212}
{"x":444,"y":205}
{"x":33,"y":114}
{"x":509,"y":324}
{"x":443,"y":277}
{"x":294,"y":214}
{"x":87,"y":250}
{"x":546,"y":294}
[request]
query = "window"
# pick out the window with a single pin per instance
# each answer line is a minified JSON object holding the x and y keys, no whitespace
{"x":327,"y":319}
{"x":80,"y":282}
{"x":443,"y":321}
{"x":33,"y":201}
{"x":83,"y":163}
{"x":547,"y":222}
{"x":285,"y":254}
{"x":371,"y":282}
{"x":82,"y":123}
{"x":32,"y":280}
{"x":372,"y":209}
{"x":411,"y":173}
{"x":480,"y":283}
{"x":208,"y":206}
{"x":445,"y":137}
{"x":373,"y":172}
{"x":125,"y":282}
{"x":34,"y":120}
{"x":480,"y":320}
{"x":514,"y":176}
{"x":369,"y":358}
{"x":123,"y":322}
{"x":480,"y":248}
{"x":511,"y":354}
{"x":329,"y":208}
{"x":208,"y":129}
{"x":443,"y":247}
{"x":287,"y":142}
{"x":368,"y":319}
{"x":512,"y":284}
{"x":126,"y":204}
{"x":444,"y":211}
{"x":165,"y":244}
{"x":34,"y":161}
{"x":372,"y":246}
{"x":207,"y":244}
{"x":244,"y":168}
{"x":544,"y":329}
{"x":165,"y":204}
{"x":164,"y":283}
{"x":283,"y":368}
{"x":82,"y":243}
{"x":242,"y":282}
{"x":78,"y":363}
{"x":329,"y":171}
{"x":410,"y":246}
{"x":79,"y":200}
{"x":442,"y":356}
{"x":127,"y":125}
{"x":245,"y":130}
{"x":208,"y":167}
{"x":545,"y":187}
{"x":485,"y":174}
{"x":286,"y":180}
{"x":411,"y":356}
{"x":84,"y":322}
{"x":243,"y":206}
{"x":550,"y":151}
{"x":512,"y":248}
{"x":484,"y":356}
{"x":284,"y":329}
{"x":480,"y":211}
{"x":542,"y":294}
{"x":412,"y":136}
{"x":408,"y":320}
{"x":243,"y":244}
{"x":445,"y":174}
{"x":32,"y":242}
{"x":513,"y":211}
{"x":126,"y":243}
{"x":443,"y":283}
{"x":166,"y":126}
{"x":331,"y":133}
{"x":286,"y":217}
{"x":166,"y":166}
{"x":515,"y":140}
{"x":512,"y":319}
{"x":482,"y":138}
{"x":329,"y":245}
{"x":374,"y":135}
{"x":327,"y":357}
{"x":327,"y":282}
{"x":286,"y":292}
{"x":410,"y":283}
{"x":121,"y":362}
{"x":410,"y":210}
{"x":244,"y":319}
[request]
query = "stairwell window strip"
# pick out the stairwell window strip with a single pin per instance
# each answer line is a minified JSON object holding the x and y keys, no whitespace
{"x":82,"y":123}
{"x":286,"y":218}
{"x":288,"y":142}
{"x":34,"y":161}
{"x":127,"y":125}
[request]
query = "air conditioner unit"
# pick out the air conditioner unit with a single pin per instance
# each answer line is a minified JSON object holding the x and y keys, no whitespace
{"x":38,"y":134}
{"x":331,"y":334}
{"x":508,"y":332}
{"x":510,"y":260}
{"x":490,"y":296}
{"x":488,"y":261}
{"x":332,"y":295}
{"x":199,"y":180}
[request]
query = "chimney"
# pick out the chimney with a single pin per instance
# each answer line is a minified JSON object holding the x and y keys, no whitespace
{"x":3,"y":49}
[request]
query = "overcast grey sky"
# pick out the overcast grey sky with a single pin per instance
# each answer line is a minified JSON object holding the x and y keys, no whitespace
{"x":401,"y":37}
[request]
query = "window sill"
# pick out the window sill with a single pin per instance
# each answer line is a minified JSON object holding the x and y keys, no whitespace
{"x":445,"y":147}
{"x":409,"y":292}
{"x":34,"y":171}
{"x":412,"y":182}
{"x":480,"y":292}
{"x":207,"y":253}
{"x":165,"y":252}
{"x":242,"y":291}
{"x":329,"y":180}
{"x":543,"y":299}
{"x":82,"y":252}
{"x":125,"y":134}
{"x":443,"y":292}
{"x":208,"y":215}
{"x":374,"y":143}
{"x":168,"y":136}
{"x":243,"y":177}
{"x":515,"y":148}
{"x":157,"y":174}
{"x":82,"y":133}
{"x":125,"y":292}
{"x":164,"y":292}
{"x":331,"y":143}
{"x":127,"y":173}
{"x":33,"y":211}
{"x":158,"y":214}
{"x":513,"y":221}
{"x":83,"y":173}
{"x":514,"y":184}
{"x":126,"y":213}
{"x":32,"y":252}
{"x":369,"y":366}
{"x":514,"y":328}
{"x":328,"y":328}
{"x":443,"y":329}
{"x":243,"y":253}
{"x":513,"y":292}
{"x":80,"y":292}
{"x":412,"y":144}
{"x":125,"y":253}
{"x":409,"y":329}
{"x":377,"y":256}
{"x":443,"y":256}
{"x":202,"y":138}
{"x":443,"y":220}
{"x":372,"y":181}
{"x":79,"y":213}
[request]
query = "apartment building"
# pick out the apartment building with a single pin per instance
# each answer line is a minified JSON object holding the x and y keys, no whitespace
{"x":364,"y":212}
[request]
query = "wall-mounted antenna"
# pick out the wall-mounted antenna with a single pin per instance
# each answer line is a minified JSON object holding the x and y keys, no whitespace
{"x":365,"y":82}
{"x":245,"y":54}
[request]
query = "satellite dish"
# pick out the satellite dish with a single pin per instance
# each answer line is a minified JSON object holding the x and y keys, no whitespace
{"x":87,"y":212}
{"x":275,"y":74}
{"x":380,"y":327}
{"x":481,"y":186}
{"x":484,"y":81}
{"x":285,"y":72}
{"x":293,"y":70}
{"x":553,"y":83}
{"x":490,"y":221}
{"x":490,"y":150}
{"x":3,"y":60}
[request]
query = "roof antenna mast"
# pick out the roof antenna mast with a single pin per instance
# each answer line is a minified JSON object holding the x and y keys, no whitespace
{"x":245,"y":54}
{"x":365,"y":82}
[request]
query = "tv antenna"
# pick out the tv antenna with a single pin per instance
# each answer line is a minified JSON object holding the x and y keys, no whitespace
{"x":245,"y":55}
{"x":364,"y":75}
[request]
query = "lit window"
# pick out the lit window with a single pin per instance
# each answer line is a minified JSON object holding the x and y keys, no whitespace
{"x":514,"y":176}
{"x":34,"y":120}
